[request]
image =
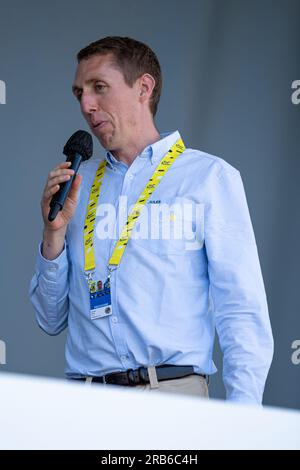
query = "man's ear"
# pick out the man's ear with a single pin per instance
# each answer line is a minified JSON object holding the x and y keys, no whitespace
{"x":146,"y":85}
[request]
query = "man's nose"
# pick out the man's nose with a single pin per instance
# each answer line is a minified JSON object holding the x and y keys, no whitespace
{"x":88,"y":104}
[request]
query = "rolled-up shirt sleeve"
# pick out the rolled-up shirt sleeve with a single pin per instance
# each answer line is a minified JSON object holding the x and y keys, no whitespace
{"x":49,"y":290}
{"x":237,"y":289}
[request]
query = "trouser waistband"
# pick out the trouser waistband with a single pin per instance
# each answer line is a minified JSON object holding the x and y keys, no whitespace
{"x":140,"y":376}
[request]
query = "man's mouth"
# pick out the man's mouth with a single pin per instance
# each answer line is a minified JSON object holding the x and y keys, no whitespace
{"x":99,"y":124}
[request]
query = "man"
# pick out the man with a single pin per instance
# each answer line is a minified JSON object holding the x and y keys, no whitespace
{"x":164,"y":296}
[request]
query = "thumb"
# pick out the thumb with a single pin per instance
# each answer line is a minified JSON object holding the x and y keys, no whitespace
{"x":75,"y":187}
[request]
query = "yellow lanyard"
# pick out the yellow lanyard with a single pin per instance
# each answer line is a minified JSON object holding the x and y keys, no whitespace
{"x":89,"y":225}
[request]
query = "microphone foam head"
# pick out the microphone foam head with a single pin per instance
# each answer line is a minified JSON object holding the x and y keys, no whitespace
{"x":80,"y":142}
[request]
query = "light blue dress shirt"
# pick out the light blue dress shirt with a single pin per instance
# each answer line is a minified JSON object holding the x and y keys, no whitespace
{"x":167,"y":299}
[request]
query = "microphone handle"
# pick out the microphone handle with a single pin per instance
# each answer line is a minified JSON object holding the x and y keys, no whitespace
{"x":59,"y":198}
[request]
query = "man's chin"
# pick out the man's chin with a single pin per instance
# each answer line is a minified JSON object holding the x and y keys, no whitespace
{"x":104,"y":141}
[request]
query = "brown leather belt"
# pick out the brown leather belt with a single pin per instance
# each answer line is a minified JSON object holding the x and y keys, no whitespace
{"x":140,"y":376}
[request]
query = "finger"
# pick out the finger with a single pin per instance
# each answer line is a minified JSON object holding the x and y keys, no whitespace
{"x":65,"y":171}
{"x":54,"y":182}
{"x":57,"y":180}
{"x":63,"y":165}
{"x":49,"y":193}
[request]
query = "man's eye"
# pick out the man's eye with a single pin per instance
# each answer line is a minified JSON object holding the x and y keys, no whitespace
{"x":78,"y":96}
{"x":99,"y":87}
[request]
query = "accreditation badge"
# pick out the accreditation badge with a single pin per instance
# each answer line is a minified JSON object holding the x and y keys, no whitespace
{"x":100,"y":299}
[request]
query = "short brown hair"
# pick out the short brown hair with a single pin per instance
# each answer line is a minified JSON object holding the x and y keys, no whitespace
{"x":132,"y":57}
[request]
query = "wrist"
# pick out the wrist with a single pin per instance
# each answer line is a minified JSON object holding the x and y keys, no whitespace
{"x":53,"y":243}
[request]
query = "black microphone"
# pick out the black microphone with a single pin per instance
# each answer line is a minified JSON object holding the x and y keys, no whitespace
{"x":78,"y":148}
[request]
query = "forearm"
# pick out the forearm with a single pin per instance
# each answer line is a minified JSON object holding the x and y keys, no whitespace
{"x":53,"y":243}
{"x":247,"y":345}
{"x":242,"y":323}
{"x":49,"y":289}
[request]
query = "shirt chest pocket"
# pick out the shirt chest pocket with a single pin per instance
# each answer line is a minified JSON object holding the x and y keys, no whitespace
{"x":171,"y":227}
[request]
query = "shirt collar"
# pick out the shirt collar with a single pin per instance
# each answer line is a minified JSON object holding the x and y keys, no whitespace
{"x":153,"y":151}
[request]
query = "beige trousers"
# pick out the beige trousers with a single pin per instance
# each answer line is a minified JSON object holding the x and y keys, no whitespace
{"x":191,"y":385}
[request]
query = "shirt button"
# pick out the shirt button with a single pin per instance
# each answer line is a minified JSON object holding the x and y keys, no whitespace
{"x":52,"y":268}
{"x":124,"y":358}
{"x":130,"y":176}
{"x":114,"y":320}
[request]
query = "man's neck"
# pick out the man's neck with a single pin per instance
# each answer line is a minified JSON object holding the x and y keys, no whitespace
{"x":134,"y":148}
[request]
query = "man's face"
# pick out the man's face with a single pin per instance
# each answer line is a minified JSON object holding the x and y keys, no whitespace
{"x":109,"y":105}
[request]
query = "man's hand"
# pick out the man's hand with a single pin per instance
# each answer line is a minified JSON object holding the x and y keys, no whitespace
{"x":54,"y":232}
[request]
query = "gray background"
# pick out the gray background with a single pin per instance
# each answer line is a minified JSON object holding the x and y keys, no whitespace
{"x":228,"y":67}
